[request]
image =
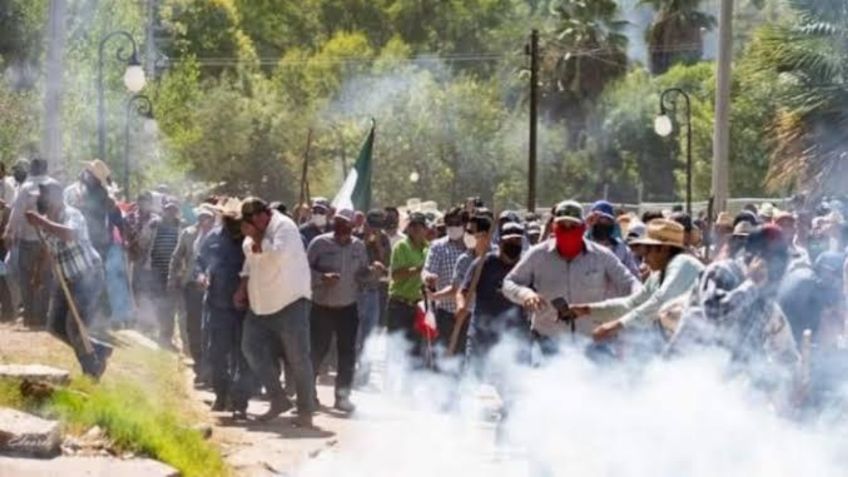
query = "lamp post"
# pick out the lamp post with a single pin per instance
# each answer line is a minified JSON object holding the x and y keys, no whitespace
{"x":663,"y":125}
{"x":133,"y":80}
{"x":143,"y":107}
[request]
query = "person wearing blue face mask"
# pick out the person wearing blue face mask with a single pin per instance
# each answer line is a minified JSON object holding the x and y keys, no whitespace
{"x":603,"y":231}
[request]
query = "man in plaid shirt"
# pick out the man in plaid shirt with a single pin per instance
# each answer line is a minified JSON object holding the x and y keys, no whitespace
{"x":66,"y":235}
{"x":439,"y":268}
{"x":735,"y":305}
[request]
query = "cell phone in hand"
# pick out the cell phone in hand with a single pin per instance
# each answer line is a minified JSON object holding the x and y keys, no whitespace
{"x":563,"y":310}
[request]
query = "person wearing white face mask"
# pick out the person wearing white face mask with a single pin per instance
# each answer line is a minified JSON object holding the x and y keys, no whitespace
{"x":438,"y":271}
{"x":318,"y":224}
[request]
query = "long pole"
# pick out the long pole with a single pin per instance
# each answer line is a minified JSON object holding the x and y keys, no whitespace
{"x":101,"y":111}
{"x":144,"y":108}
{"x":721,"y":136}
{"x":304,"y":177}
{"x":533,"y":51}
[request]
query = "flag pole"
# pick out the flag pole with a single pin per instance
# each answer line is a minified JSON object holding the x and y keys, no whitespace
{"x":304,"y":181}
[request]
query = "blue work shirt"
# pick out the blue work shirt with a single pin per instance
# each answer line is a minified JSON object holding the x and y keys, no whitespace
{"x":221,"y":259}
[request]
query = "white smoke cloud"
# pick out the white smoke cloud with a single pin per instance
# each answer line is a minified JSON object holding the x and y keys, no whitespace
{"x":574,"y":418}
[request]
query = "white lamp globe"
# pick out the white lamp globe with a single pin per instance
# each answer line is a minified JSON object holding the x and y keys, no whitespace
{"x":414,"y":177}
{"x":663,"y":126}
{"x":134,"y":78}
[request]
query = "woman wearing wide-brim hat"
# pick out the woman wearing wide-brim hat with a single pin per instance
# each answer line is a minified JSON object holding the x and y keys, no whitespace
{"x":674,"y":273}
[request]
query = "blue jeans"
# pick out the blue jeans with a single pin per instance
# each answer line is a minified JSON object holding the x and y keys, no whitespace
{"x":85,"y":291}
{"x":117,"y":285}
{"x":231,"y":376}
{"x":289,"y":328}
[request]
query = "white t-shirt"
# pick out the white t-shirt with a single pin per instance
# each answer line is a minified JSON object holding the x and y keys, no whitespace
{"x":279,"y":275}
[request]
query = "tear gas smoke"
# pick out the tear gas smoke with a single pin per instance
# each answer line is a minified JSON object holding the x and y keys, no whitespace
{"x":574,"y":417}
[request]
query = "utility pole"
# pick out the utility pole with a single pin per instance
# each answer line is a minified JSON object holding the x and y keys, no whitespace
{"x":721,"y":137}
{"x":533,"y":50}
{"x":150,"y":40}
{"x":52,"y":142}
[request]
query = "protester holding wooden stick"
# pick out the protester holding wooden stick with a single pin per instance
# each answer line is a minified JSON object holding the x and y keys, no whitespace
{"x":78,"y":270}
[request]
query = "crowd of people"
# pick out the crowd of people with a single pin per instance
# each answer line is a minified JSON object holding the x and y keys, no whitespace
{"x":263,"y":293}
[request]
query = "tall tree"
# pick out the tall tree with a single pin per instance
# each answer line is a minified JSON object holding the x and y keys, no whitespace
{"x":584,"y":51}
{"x":811,"y":57}
{"x":676,"y":34}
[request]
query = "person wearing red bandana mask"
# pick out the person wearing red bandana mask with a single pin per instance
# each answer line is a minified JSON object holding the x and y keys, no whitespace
{"x":566,"y":269}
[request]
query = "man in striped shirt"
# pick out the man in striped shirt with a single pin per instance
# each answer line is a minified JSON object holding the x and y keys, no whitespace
{"x":164,"y":243}
{"x":66,"y":235}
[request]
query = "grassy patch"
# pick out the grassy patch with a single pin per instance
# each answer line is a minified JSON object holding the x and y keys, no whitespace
{"x":142,"y":404}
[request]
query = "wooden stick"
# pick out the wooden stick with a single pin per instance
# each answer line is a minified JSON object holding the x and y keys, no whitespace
{"x":304,"y":178}
{"x":57,"y":272}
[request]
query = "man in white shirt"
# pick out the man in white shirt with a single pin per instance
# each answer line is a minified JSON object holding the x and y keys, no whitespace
{"x":277,"y":288}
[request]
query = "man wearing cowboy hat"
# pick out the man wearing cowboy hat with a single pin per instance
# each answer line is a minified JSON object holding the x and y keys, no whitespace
{"x":218,"y":267}
{"x":89,"y":194}
{"x":673,"y":275}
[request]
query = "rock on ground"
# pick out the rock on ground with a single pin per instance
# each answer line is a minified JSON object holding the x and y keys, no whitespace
{"x":84,"y":467}
{"x":34,"y":372}
{"x":23,"y":434}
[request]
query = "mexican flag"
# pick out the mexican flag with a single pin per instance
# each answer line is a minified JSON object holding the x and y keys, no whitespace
{"x":355,"y":193}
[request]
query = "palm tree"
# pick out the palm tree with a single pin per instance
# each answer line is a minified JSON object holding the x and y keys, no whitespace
{"x":585,"y":50}
{"x":810,"y":57}
{"x":676,"y":35}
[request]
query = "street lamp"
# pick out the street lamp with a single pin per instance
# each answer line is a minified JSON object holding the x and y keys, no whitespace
{"x":134,"y":81}
{"x":664,"y":126}
{"x":143,"y":107}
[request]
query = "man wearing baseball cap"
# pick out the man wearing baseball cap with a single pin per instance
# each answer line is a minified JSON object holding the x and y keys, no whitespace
{"x":319,"y":222}
{"x":339,"y":265}
{"x":566,"y":268}
{"x":407,"y":263}
{"x":277,"y":294}
{"x":602,"y":230}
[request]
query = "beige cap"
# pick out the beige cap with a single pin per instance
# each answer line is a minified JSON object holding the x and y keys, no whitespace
{"x":98,"y":169}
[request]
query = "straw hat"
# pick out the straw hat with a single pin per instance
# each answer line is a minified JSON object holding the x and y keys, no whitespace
{"x":230,"y":207}
{"x":724,"y":220}
{"x":662,"y":232}
{"x":98,"y":169}
{"x":743,"y":229}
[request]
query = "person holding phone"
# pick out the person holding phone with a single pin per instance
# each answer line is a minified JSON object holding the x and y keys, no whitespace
{"x":567,"y":266}
{"x":339,"y":265}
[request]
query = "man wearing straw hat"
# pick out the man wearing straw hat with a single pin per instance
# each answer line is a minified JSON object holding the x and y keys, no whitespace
{"x":673,"y":275}
{"x":89,"y":195}
{"x":78,"y":270}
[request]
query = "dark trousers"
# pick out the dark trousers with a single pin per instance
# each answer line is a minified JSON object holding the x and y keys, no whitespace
{"x":35,"y":291}
{"x":85,"y":291}
{"x":262,"y":337}
{"x":401,"y":322}
{"x":193,"y":300}
{"x":8,"y":309}
{"x":344,"y":324}
{"x":165,"y":305}
{"x":231,"y":375}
